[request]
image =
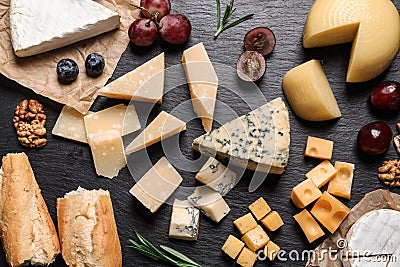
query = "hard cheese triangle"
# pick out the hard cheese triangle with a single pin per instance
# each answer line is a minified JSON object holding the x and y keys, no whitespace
{"x":163,"y":126}
{"x":258,"y":140}
{"x":42,"y":25}
{"x":145,"y":83}
{"x":203,"y":83}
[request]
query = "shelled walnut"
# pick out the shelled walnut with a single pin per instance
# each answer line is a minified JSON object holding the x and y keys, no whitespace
{"x":389,"y":173}
{"x":29,"y":122}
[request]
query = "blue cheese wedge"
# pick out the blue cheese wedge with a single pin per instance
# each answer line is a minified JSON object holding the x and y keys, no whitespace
{"x":258,"y":140}
{"x":216,"y":176}
{"x":38,"y":26}
{"x":210,"y":203}
{"x":184,"y":221}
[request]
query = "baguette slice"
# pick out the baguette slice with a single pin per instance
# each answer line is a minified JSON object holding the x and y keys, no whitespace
{"x":87,"y":229}
{"x":27,"y":230}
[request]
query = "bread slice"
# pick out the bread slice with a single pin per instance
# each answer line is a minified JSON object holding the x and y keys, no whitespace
{"x":27,"y":230}
{"x":87,"y":230}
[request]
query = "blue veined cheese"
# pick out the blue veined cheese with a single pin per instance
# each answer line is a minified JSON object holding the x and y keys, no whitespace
{"x":216,"y":176}
{"x":210,"y":203}
{"x":258,"y":140}
{"x":184,"y":221}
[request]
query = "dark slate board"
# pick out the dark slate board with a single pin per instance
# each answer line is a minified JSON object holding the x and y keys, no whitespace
{"x":62,"y":165}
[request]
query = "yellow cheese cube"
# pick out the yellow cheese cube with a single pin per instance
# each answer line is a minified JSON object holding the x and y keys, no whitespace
{"x":259,"y":208}
{"x":272,"y":221}
{"x":322,"y":173}
{"x":247,"y":258}
{"x":340,"y":185}
{"x":305,"y":193}
{"x":329,"y":211}
{"x":309,"y":225}
{"x":271,"y":250}
{"x":255,"y":238}
{"x":245,"y":223}
{"x":318,"y":148}
{"x":232,"y":246}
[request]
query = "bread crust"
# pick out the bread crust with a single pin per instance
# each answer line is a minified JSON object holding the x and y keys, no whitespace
{"x":26,"y":228}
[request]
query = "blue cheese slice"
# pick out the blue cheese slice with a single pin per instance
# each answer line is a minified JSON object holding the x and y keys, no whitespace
{"x":185,"y":220}
{"x":258,"y":140}
{"x":216,"y":176}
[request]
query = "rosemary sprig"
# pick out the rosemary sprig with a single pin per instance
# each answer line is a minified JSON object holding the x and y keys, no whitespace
{"x":174,"y":257}
{"x":223,"y":24}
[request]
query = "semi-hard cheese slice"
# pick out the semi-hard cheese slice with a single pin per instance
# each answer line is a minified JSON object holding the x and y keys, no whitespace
{"x":309,"y":93}
{"x":309,"y":225}
{"x":70,"y":125}
{"x":163,"y":126}
{"x":38,"y":26}
{"x":203,"y":83}
{"x":372,"y":25}
{"x":258,"y":140}
{"x":157,"y":185}
{"x":184,"y":221}
{"x":145,"y":83}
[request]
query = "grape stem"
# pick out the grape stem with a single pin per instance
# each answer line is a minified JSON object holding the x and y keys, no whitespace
{"x":154,"y":16}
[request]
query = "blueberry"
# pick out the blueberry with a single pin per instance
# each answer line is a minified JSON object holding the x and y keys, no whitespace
{"x":94,"y":65}
{"x":67,"y":71}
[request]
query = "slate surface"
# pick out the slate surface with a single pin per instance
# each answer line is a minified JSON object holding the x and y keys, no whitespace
{"x":62,"y":165}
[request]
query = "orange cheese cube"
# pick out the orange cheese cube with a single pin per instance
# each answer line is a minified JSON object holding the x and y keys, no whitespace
{"x":247,"y":258}
{"x":256,"y":238}
{"x":309,"y":225}
{"x":305,"y":193}
{"x":322,"y":173}
{"x":318,"y":148}
{"x":330,"y":212}
{"x":259,"y":208}
{"x":232,"y":246}
{"x":245,"y":223}
{"x":340,"y":185}
{"x":271,"y":250}
{"x":272,"y":221}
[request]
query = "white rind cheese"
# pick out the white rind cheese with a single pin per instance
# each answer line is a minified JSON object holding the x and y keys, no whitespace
{"x":38,"y":26}
{"x":184,"y":221}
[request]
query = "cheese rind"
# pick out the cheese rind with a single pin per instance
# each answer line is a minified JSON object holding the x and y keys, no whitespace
{"x":322,"y":173}
{"x":309,"y":225}
{"x":70,"y":125}
{"x":341,"y":183}
{"x":319,"y":148}
{"x":256,"y":238}
{"x":245,"y":223}
{"x":272,"y":221}
{"x":305,"y":193}
{"x":184,"y":221}
{"x":232,"y":246}
{"x":259,"y":208}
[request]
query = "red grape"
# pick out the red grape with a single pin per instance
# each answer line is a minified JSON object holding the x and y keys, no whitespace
{"x":386,"y":96}
{"x":250,"y":66}
{"x":175,"y":28}
{"x":260,"y":39}
{"x":374,"y":138}
{"x":161,"y":6}
{"x":143,"y":32}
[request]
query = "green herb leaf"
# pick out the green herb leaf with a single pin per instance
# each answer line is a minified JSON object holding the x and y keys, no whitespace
{"x":219,"y":12}
{"x":179,"y":255}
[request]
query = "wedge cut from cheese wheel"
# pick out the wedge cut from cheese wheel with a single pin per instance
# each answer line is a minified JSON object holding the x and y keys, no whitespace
{"x":70,"y":125}
{"x":145,"y":83}
{"x":163,"y":126}
{"x":309,"y":94}
{"x":372,"y":25}
{"x":203,"y":83}
{"x":38,"y":26}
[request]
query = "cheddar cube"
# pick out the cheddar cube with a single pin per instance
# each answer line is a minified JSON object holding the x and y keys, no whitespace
{"x":305,"y":193}
{"x":322,"y":173}
{"x":247,"y":258}
{"x":330,"y":212}
{"x":259,"y":208}
{"x":271,"y":250}
{"x":309,"y":225}
{"x":255,"y":238}
{"x":245,"y":223}
{"x":272,"y":221}
{"x":318,"y":148}
{"x":232,"y":246}
{"x":340,"y":185}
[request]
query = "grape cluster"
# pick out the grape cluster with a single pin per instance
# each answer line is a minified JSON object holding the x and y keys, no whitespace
{"x":156,"y":19}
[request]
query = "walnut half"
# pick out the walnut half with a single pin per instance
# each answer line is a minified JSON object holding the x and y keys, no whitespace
{"x":389,"y":173}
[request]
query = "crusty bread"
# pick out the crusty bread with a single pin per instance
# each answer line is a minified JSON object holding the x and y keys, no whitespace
{"x":87,"y":230}
{"x":27,"y":230}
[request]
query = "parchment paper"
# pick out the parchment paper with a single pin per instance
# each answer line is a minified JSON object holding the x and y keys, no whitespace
{"x":39,"y":72}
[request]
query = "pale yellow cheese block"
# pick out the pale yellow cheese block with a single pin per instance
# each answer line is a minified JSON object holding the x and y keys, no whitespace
{"x":163,"y":126}
{"x":70,"y":125}
{"x":145,"y":83}
{"x":372,"y":25}
{"x":203,"y":83}
{"x":309,"y":94}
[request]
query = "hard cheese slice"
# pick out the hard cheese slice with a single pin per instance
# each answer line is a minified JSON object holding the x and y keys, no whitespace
{"x":70,"y":125}
{"x":163,"y":126}
{"x":203,"y":83}
{"x":42,"y":25}
{"x":372,"y":25}
{"x":145,"y":83}
{"x":258,"y":140}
